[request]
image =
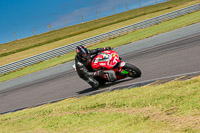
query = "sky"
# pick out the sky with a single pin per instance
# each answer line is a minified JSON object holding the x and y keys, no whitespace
{"x":28,"y":17}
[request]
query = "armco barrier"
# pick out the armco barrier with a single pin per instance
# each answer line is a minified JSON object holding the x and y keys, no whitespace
{"x":96,"y":39}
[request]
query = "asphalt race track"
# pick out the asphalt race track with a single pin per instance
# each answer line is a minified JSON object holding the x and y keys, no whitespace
{"x":170,"y":58}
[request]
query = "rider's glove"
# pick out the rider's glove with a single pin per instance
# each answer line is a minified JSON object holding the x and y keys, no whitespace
{"x":107,"y":48}
{"x":98,"y":73}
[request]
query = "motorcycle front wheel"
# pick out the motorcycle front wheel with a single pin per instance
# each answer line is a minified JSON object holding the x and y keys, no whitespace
{"x":132,"y":70}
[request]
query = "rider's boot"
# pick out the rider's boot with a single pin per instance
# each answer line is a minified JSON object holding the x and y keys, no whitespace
{"x":94,"y":83}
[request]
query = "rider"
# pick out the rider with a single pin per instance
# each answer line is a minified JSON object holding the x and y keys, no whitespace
{"x":83,"y":60}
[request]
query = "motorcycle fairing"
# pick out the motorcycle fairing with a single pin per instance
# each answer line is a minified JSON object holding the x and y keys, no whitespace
{"x":105,"y":59}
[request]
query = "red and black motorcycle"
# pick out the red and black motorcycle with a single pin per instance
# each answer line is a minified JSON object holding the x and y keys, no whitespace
{"x":114,"y":68}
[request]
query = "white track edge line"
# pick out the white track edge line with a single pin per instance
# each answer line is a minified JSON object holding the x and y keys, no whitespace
{"x":172,"y":76}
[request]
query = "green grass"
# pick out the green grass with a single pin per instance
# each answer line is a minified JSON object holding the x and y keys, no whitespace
{"x":49,"y":37}
{"x":131,"y":37}
{"x":176,"y":108}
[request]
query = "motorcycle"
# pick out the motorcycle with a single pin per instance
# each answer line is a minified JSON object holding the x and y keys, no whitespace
{"x":113,"y":67}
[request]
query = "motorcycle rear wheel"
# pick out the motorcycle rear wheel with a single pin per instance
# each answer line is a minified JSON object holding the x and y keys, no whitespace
{"x":133,"y":71}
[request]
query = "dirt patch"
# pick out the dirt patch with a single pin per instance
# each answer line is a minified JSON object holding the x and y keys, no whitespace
{"x":168,"y":116}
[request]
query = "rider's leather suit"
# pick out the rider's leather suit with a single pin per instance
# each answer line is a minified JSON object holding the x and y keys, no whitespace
{"x":84,"y":68}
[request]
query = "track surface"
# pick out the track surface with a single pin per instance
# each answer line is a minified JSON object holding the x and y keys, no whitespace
{"x":169,"y":58}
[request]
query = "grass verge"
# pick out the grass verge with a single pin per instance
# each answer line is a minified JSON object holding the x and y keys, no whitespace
{"x":131,"y":37}
{"x":176,"y":108}
{"x":27,"y":47}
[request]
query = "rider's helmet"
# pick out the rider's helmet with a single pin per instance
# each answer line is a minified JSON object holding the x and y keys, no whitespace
{"x":82,"y":52}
